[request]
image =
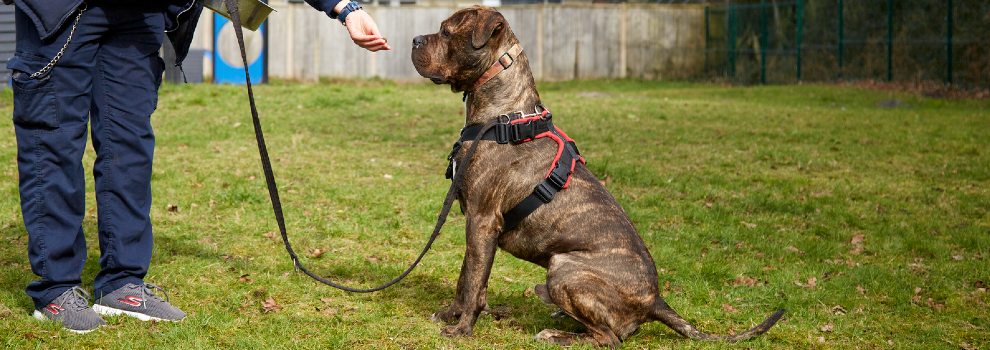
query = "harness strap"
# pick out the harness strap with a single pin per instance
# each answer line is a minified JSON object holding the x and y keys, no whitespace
{"x":517,"y":128}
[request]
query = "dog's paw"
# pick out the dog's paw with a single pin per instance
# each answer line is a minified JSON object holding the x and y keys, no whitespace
{"x":446,"y":316}
{"x":455,"y":331}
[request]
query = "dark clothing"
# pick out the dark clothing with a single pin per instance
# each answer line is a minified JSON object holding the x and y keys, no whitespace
{"x":109,"y":76}
{"x":181,"y":16}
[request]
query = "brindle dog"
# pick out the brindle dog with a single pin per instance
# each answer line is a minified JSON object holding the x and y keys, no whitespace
{"x":598,"y":269}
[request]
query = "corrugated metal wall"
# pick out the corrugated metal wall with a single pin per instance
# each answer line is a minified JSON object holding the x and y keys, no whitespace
{"x":6,"y":41}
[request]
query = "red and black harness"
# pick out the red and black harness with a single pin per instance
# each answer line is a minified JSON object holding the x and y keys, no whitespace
{"x":517,"y":128}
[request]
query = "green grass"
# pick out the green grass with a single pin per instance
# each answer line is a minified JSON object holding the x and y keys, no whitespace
{"x":742,"y":195}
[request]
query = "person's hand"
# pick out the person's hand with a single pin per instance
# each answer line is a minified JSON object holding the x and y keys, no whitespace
{"x":364,"y":32}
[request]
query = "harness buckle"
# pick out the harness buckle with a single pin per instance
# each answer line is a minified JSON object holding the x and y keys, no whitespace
{"x":521,"y":131}
{"x":506,"y":60}
{"x":543,"y":192}
{"x":556,"y":180}
{"x":502,"y":133}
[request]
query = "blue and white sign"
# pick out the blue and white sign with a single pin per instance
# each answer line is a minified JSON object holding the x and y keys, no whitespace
{"x":227,"y":65}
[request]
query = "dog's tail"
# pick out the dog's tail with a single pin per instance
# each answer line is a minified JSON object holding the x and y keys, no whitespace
{"x":663,"y":313}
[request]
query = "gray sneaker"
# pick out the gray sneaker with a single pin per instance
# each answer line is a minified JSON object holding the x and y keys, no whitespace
{"x":139,"y":302}
{"x":71,"y":309}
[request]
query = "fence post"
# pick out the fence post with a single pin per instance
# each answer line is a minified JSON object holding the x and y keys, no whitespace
{"x":800,"y":30}
{"x":731,"y":40}
{"x":763,"y":41}
{"x":890,"y":40}
{"x":842,"y":39}
{"x":948,"y":42}
{"x":708,"y":35}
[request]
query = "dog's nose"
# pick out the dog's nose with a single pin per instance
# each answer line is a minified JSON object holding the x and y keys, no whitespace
{"x":418,"y":41}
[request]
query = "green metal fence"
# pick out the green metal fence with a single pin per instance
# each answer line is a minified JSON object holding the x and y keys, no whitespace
{"x":785,"y":41}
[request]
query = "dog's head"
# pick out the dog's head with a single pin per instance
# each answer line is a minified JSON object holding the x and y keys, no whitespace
{"x":469,"y":42}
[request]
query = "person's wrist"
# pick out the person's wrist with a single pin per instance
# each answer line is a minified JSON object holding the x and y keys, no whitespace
{"x":339,"y":7}
{"x":346,"y":9}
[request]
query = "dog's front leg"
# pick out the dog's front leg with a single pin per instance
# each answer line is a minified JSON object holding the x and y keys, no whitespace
{"x":472,"y":286}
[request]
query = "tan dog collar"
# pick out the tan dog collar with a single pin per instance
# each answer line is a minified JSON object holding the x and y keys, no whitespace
{"x":504,"y":62}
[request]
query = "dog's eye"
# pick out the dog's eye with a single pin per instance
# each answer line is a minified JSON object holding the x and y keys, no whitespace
{"x":444,"y":32}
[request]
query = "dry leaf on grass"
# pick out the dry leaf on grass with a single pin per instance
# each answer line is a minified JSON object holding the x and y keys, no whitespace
{"x":728,"y":308}
{"x":316,"y":253}
{"x":794,"y":250}
{"x":828,"y":327}
{"x":811,"y":283}
{"x":245,"y":278}
{"x":269,"y":305}
{"x":748,"y":224}
{"x":860,"y":290}
{"x":270,"y":234}
{"x":172,"y":208}
{"x":857,"y":244}
{"x":744,"y":281}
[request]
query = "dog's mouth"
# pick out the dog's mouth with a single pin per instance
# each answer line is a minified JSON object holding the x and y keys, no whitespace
{"x":437,"y":81}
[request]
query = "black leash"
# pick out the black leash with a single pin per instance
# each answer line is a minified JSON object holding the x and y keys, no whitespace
{"x":273,"y":187}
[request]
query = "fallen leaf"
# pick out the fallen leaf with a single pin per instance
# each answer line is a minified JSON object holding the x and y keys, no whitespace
{"x":957,"y":257}
{"x":794,"y":249}
{"x":387,"y":176}
{"x":270,"y":234}
{"x":327,"y":300}
{"x":244,"y":278}
{"x":744,"y":281}
{"x":728,"y":308}
{"x":172,"y":208}
{"x":966,"y":346}
{"x":372,"y":259}
{"x":748,"y":224}
{"x":857,"y":244}
{"x":811,"y":283}
{"x":316,"y":253}
{"x":935,"y":305}
{"x":827,"y":328}
{"x":861,"y":290}
{"x":269,"y":305}
{"x":821,"y":340}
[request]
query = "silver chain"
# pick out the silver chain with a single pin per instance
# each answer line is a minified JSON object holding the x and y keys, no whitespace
{"x":48,"y":67}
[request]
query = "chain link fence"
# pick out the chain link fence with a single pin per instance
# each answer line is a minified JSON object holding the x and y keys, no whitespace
{"x":786,"y":41}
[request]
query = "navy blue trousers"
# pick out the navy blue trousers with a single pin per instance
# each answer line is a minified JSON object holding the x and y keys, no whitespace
{"x":107,"y":78}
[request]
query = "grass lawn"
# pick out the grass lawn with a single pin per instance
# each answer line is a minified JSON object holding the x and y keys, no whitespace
{"x":866,"y":214}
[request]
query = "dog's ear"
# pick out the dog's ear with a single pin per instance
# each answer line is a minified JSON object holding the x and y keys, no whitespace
{"x":492,"y":23}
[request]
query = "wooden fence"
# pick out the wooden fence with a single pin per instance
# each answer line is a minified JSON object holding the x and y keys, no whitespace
{"x":568,"y":41}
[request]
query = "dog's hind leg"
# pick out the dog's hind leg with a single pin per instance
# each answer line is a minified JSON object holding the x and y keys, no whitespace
{"x":589,"y":299}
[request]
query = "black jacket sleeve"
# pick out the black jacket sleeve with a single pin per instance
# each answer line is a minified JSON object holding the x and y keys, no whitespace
{"x":324,"y":5}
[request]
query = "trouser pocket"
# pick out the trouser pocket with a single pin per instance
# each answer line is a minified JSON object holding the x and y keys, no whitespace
{"x":34,"y":98}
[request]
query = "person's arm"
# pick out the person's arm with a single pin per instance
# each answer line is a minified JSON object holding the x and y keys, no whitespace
{"x":361,"y":27}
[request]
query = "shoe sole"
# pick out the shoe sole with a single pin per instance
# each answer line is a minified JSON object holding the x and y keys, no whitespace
{"x":41,"y":317}
{"x":109,"y":311}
